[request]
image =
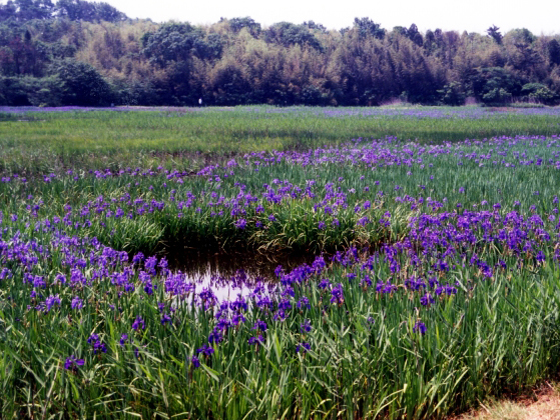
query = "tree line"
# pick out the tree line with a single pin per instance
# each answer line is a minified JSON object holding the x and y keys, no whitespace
{"x":76,"y":52}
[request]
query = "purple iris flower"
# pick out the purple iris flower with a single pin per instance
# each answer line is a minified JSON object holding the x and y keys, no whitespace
{"x":138,"y":323}
{"x":303,"y":348}
{"x":420,"y":327}
{"x":73,"y":362}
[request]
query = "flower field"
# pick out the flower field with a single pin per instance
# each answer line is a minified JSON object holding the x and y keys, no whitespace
{"x":45,"y":140}
{"x":434,"y":279}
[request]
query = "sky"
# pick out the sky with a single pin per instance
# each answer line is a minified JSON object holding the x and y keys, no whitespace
{"x":540,"y":17}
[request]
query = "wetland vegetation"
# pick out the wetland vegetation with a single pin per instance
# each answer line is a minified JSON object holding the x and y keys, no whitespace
{"x":432,"y":278}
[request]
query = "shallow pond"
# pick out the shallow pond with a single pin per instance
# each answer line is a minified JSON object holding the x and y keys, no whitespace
{"x":230,"y":275}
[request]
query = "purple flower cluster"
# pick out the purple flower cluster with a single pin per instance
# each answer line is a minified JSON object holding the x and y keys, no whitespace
{"x":97,"y":344}
{"x":57,"y":264}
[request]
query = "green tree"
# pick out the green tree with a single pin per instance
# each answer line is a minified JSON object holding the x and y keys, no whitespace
{"x":494,"y":33}
{"x":553,"y":47}
{"x":495,"y":85}
{"x":523,"y":54}
{"x":15,"y":91}
{"x":288,"y":34}
{"x":315,"y":26}
{"x":175,"y":42}
{"x":81,"y":10}
{"x":367,"y":27}
{"x":229,"y":85}
{"x":83,"y":85}
{"x":47,"y":91}
{"x":34,"y":9}
{"x":236,"y":24}
{"x":414,"y":35}
{"x":106,"y":12}
{"x":539,"y":92}
{"x":8,"y":11}
{"x":452,"y":94}
{"x":521,"y":36}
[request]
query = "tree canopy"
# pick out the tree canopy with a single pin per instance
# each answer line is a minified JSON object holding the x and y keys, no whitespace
{"x":80,"y":52}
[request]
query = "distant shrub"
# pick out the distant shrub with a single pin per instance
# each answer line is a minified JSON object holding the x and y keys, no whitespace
{"x":524,"y":105}
{"x":452,"y":94}
{"x":48,"y":91}
{"x":537,"y":92}
{"x":83,"y":85}
{"x":497,"y":96}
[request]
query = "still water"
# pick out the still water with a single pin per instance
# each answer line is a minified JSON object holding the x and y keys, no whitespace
{"x":231,"y":275}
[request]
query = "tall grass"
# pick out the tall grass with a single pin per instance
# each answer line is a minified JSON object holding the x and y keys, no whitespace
{"x":441,"y":289}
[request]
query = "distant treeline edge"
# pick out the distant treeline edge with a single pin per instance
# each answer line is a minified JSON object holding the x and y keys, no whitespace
{"x":76,"y":52}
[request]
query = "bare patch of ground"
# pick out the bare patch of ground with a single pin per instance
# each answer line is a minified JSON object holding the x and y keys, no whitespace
{"x":542,"y":404}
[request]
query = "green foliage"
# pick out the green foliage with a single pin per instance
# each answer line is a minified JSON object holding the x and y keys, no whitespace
{"x":553,"y":47}
{"x":494,"y":33}
{"x":366,"y":27}
{"x":495,"y":85}
{"x":488,"y":336}
{"x":8,"y":11}
{"x":452,"y":94}
{"x":315,"y":26}
{"x":539,"y":93}
{"x":3,"y":100}
{"x":34,"y":9}
{"x":83,"y":85}
{"x":288,"y":34}
{"x":176,"y":42}
{"x":314,"y":96}
{"x":236,"y":24}
{"x":76,"y":10}
{"x":16,"y":90}
{"x":230,"y":85}
{"x":521,"y":36}
{"x":286,"y":64}
{"x":497,"y":96}
{"x":414,"y":35}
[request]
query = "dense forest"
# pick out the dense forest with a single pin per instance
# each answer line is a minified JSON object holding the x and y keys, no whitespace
{"x":76,"y":52}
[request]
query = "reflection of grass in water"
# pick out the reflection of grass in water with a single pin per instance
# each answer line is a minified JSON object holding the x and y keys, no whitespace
{"x":229,"y":264}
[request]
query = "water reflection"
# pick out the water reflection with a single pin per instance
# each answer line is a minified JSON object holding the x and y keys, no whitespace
{"x":225,"y":286}
{"x":229,"y":275}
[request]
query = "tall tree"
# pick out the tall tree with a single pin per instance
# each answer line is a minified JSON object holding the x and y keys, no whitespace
{"x":175,"y":42}
{"x":367,"y":27}
{"x":81,"y":10}
{"x":8,"y":11}
{"x":236,"y":24}
{"x":553,"y":47}
{"x":494,"y":33}
{"x":287,"y":34}
{"x":83,"y":85}
{"x":414,"y":35}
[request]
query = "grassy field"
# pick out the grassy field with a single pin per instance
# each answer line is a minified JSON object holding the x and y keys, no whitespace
{"x":435,"y":282}
{"x":51,"y":141}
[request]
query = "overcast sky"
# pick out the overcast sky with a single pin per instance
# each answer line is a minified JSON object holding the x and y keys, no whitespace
{"x":471,"y":15}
